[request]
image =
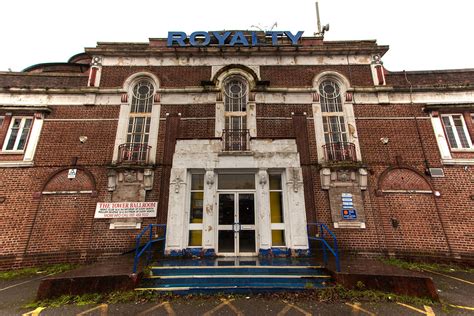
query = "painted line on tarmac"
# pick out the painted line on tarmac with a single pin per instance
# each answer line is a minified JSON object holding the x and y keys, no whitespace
{"x":449,"y":276}
{"x":103,"y":308}
{"x":224,"y":303}
{"x":165,"y":305}
{"x":462,"y":307}
{"x":24,"y":282}
{"x":357,"y":307}
{"x":428,"y":310}
{"x":35,"y":312}
{"x":289,"y":306}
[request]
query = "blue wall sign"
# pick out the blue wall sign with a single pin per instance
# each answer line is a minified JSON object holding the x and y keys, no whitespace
{"x":349,"y":214}
{"x":348,"y":211}
{"x":228,"y":38}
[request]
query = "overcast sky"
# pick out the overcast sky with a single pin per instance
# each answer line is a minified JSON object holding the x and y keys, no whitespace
{"x":422,"y":34}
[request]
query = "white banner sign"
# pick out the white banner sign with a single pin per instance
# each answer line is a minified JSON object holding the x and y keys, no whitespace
{"x":126,"y":209}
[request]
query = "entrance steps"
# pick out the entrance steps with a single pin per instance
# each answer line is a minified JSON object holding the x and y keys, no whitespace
{"x":239,"y":278}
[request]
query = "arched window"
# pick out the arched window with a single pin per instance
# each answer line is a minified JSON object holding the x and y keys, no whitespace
{"x":330,"y":93}
{"x":136,"y":148}
{"x":235,"y":103}
{"x":235,"y":90}
{"x":331,"y":107}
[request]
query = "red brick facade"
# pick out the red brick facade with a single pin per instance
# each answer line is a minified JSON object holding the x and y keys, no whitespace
{"x":48,"y":218}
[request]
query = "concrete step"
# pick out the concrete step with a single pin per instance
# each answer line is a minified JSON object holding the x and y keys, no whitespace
{"x":235,"y":279}
{"x":237,"y":270}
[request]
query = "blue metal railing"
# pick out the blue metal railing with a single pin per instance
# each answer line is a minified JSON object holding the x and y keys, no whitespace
{"x":140,"y":251}
{"x":319,"y":236}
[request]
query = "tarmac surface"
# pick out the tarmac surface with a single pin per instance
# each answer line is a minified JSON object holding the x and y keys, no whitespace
{"x":455,"y":289}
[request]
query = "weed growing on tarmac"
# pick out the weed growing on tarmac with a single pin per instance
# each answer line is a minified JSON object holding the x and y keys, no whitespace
{"x":44,"y":270}
{"x":328,"y":295}
{"x":423,"y":266}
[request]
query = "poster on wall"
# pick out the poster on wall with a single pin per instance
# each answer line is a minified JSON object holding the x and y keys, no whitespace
{"x":125,"y":209}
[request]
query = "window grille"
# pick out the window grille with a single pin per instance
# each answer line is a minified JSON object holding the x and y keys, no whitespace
{"x":235,"y":91}
{"x":142,"y":97}
{"x":330,"y":96}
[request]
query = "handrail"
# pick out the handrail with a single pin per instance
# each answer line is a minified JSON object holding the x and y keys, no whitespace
{"x":320,"y":237}
{"x":341,"y":151}
{"x":138,"y":251}
{"x":134,"y":153}
{"x":236,"y":139}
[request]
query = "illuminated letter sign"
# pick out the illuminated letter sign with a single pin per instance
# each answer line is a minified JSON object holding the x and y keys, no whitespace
{"x":238,"y":38}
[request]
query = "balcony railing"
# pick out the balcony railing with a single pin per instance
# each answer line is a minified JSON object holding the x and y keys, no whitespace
{"x":340,"y":152}
{"x":236,"y":139}
{"x":134,"y":153}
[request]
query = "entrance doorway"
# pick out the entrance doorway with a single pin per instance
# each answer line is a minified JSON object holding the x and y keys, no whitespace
{"x":236,"y":224}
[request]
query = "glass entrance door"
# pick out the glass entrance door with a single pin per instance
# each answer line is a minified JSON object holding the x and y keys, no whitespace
{"x":236,"y":226}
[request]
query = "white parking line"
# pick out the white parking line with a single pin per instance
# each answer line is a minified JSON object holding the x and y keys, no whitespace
{"x":21,"y":283}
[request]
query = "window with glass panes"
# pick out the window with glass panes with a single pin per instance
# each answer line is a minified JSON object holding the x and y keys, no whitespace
{"x":235,"y":102}
{"x":196,"y":210}
{"x":18,"y":133}
{"x":331,"y":107}
{"x":140,"y":113}
{"x":276,"y":211}
{"x":456,"y":131}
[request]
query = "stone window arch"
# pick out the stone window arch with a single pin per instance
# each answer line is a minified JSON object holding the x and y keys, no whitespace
{"x":235,"y":108}
{"x":137,"y":133}
{"x":335,"y":126}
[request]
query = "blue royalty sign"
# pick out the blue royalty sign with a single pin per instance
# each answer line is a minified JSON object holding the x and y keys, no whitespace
{"x":201,"y":38}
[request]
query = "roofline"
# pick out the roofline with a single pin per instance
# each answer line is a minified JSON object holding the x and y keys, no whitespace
{"x":43,"y":65}
{"x":425,"y":72}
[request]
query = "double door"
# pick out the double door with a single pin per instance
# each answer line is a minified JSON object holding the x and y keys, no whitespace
{"x":236,"y":224}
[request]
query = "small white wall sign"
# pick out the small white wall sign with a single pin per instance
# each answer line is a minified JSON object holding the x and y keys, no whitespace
{"x":72,"y":173}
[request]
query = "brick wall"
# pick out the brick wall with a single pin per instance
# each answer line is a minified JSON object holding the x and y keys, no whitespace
{"x":55,"y":228}
{"x":302,"y":76}
{"x":170,"y":76}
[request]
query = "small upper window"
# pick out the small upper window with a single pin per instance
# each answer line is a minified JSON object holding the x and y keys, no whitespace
{"x":330,"y":93}
{"x":1,"y":121}
{"x":142,"y":97}
{"x":456,"y":131}
{"x":18,"y":133}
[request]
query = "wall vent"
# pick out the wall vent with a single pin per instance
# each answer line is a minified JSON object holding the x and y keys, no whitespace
{"x":437,"y":172}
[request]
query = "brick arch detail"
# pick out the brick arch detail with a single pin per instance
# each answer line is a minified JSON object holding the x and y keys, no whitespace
{"x":58,"y":181}
{"x":402,"y":178}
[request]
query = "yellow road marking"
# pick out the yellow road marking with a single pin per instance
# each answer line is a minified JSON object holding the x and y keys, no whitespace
{"x":285,"y":310}
{"x":449,"y":276}
{"x":165,"y":305}
{"x":357,"y":307}
{"x":428,"y":310}
{"x":35,"y":312}
{"x":289,"y":306}
{"x":462,"y":307}
{"x":103,"y":308}
{"x":224,"y":303}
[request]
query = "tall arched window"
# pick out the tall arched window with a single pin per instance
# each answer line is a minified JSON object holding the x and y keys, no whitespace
{"x":138,"y":132}
{"x":235,"y":102}
{"x":331,"y":108}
